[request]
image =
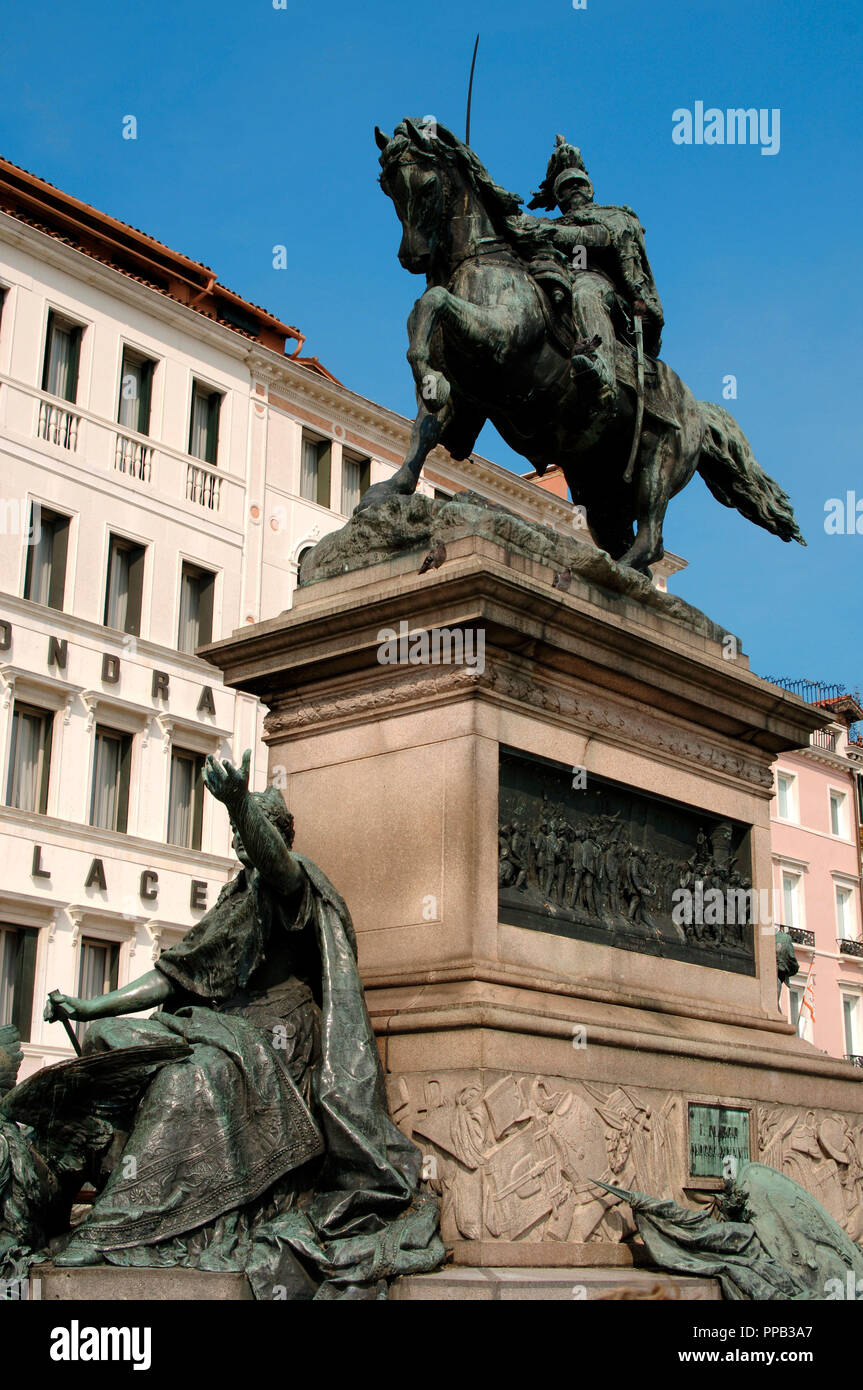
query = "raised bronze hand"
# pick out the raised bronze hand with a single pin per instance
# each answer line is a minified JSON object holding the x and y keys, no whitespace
{"x":226,"y":782}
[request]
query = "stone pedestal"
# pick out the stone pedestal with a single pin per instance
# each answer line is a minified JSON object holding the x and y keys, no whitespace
{"x":528,"y":1060}
{"x":111,"y":1283}
{"x":456,"y":1284}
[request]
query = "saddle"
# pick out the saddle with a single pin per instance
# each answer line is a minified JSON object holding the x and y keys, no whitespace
{"x":556,"y":300}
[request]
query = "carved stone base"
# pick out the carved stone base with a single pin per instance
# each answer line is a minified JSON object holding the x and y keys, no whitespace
{"x":526,"y":1060}
{"x":109,"y":1284}
{"x":486,"y":1285}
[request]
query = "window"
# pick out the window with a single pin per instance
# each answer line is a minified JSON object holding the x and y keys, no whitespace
{"x":47,"y":549}
{"x":17,"y":975}
{"x":98,"y":972}
{"x":196,"y":608}
{"x":315,"y":471}
{"x":844,"y":912}
{"x":786,"y":795}
{"x":125,"y":585}
{"x":801,"y":1019}
{"x":204,"y":424}
{"x":356,"y":479}
{"x":2,"y":302}
{"x":851,"y":1025}
{"x":791,"y":898}
{"x":186,"y":801}
{"x":136,"y":377}
{"x":62,"y":351}
{"x":837,"y":814}
{"x":109,"y":804}
{"x":29,"y":759}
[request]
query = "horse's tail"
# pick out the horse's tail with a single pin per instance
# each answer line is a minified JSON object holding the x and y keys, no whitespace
{"x":736,"y":479}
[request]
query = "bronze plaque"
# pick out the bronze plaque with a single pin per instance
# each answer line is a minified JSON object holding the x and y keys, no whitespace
{"x":718,"y":1141}
{"x":585,"y":857}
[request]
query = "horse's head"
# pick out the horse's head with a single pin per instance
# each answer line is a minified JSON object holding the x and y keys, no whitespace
{"x":433,"y":179}
{"x":414,"y":177}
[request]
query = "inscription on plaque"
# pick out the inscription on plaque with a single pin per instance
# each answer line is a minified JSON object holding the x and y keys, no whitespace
{"x":718,"y":1141}
{"x":585,"y":857}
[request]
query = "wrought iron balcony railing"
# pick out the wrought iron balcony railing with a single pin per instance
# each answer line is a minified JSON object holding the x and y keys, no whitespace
{"x":848,"y":947}
{"x":855,"y":1059}
{"x":799,"y":936}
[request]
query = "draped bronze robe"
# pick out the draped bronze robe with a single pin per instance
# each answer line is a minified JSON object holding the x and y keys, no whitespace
{"x":270,"y":1149}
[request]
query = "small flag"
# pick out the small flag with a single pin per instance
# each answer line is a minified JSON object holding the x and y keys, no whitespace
{"x":808,"y":1000}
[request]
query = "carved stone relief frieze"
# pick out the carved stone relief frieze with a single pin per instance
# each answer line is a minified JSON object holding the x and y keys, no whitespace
{"x":513,"y":1156}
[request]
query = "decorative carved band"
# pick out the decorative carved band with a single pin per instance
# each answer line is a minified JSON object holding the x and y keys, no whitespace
{"x":622,"y":723}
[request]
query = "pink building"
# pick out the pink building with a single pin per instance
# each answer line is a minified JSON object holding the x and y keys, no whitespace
{"x":816,"y":815}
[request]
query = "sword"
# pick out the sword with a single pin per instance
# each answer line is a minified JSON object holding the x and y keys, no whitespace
{"x":639,"y":381}
{"x":73,"y":1037}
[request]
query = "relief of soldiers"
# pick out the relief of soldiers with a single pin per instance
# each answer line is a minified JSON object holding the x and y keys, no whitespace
{"x":512,"y":869}
{"x":591,"y":864}
{"x":577,"y":862}
{"x":638,"y":889}
{"x":564,"y":834}
{"x":585,"y":865}
{"x":612,"y":867}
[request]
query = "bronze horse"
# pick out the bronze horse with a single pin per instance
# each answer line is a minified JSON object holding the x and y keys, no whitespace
{"x":484,"y":346}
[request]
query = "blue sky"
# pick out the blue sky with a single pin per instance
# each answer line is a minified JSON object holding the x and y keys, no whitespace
{"x":255,"y":129}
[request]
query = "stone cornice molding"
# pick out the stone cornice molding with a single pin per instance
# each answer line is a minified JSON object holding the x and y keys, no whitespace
{"x":121,"y":286}
{"x":620,"y":723}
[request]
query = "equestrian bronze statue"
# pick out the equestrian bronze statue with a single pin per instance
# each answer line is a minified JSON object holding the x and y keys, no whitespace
{"x":551,"y":329}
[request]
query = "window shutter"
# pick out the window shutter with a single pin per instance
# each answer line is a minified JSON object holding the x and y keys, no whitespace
{"x":213,"y":427}
{"x":197,"y":804}
{"x":123,"y":784}
{"x":49,"y":340}
{"x":324,"y":471}
{"x":59,"y":552}
{"x":113,"y":966}
{"x":47,"y":740}
{"x":74,"y":359}
{"x":206,"y":585}
{"x":25,"y":977}
{"x":144,"y":398}
{"x":136,"y":591}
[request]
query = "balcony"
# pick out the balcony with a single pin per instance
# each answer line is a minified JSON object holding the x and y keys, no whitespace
{"x":799,"y":936}
{"x":855,"y":1059}
{"x":204,"y":486}
{"x":58,"y":425}
{"x":97,"y":448}
{"x":848,"y":947}
{"x":133,"y":458}
{"x":827,"y":739}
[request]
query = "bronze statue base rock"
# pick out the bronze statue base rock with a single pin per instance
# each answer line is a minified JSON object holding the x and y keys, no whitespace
{"x":402,"y":525}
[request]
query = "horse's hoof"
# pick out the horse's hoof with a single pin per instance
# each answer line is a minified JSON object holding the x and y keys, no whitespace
{"x":377,"y":493}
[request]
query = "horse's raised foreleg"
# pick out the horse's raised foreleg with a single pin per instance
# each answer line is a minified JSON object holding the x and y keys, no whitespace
{"x":486,"y":331}
{"x":425,"y":434}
